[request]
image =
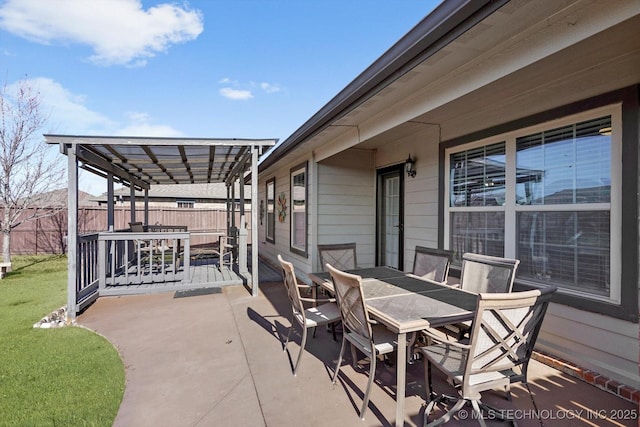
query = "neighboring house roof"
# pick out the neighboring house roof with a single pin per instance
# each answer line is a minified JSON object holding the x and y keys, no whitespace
{"x":59,"y":198}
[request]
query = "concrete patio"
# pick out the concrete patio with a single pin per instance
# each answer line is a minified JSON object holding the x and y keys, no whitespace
{"x":214,"y":358}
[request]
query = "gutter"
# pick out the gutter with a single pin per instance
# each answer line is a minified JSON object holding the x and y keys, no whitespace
{"x":443,"y":25}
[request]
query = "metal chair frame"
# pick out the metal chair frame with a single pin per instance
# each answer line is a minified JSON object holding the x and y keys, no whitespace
{"x":505,"y":329}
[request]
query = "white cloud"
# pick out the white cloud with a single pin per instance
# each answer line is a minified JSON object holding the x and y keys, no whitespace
{"x":236,"y":94}
{"x":68,"y":114}
{"x":234,"y":89}
{"x":270,"y":88}
{"x":118,"y":31}
{"x":140,"y":126}
{"x":66,"y":110}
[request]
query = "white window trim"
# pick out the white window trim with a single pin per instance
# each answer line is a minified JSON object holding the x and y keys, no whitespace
{"x":190,"y":202}
{"x":511,"y":208}
{"x":302,"y":170}
{"x":270,"y":214}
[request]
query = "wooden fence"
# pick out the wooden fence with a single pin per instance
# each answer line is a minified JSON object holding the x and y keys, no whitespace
{"x":48,"y":235}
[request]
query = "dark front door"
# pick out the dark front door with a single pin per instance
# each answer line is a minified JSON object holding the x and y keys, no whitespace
{"x":390,"y":217}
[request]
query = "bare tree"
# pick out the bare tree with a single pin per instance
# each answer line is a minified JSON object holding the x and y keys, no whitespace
{"x":27,"y":174}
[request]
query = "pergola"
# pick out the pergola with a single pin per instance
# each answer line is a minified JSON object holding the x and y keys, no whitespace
{"x":140,"y":162}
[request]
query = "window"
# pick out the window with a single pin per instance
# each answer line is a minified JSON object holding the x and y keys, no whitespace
{"x":544,"y":195}
{"x":299,"y":209}
{"x":271,"y":210}
{"x":478,"y":182}
{"x":190,"y":204}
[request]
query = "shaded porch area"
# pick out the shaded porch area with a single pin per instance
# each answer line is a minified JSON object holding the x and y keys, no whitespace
{"x":208,"y":359}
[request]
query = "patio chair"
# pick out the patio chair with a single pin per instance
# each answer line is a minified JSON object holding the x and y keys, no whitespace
{"x":359,"y":330}
{"x":483,"y":273}
{"x":505,"y":329}
{"x":140,"y":246}
{"x":136,"y":227}
{"x":325,"y":311}
{"x":340,"y":255}
{"x":224,"y":251}
{"x":431,"y":263}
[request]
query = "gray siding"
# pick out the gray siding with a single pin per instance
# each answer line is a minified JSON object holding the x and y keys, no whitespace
{"x":346,"y":203}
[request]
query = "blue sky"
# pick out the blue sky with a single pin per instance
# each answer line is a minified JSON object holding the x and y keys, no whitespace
{"x":203,"y":68}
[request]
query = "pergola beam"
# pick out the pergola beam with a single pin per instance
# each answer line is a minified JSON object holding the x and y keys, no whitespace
{"x":90,"y":157}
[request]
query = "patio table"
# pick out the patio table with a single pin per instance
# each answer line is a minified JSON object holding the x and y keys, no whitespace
{"x":405,"y":303}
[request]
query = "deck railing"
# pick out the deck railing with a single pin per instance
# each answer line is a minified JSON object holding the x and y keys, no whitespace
{"x":125,"y":258}
{"x":87,"y":277}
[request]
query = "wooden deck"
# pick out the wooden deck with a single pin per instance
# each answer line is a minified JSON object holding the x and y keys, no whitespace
{"x":205,"y":273}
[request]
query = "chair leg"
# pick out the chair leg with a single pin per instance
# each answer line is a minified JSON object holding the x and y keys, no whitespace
{"x":335,"y":373}
{"x":411,"y":356}
{"x":354,"y":357}
{"x":446,"y":417}
{"x":507,"y":390}
{"x":428,"y":385}
{"x":302,"y":345}
{"x":476,"y":409}
{"x":288,"y":335}
{"x":372,"y":373}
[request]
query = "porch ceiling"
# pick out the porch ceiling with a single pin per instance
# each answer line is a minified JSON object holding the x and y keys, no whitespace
{"x":143,"y":161}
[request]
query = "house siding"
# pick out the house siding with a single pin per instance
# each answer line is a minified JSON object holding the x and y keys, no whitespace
{"x":346,"y":203}
{"x":603,"y":344}
{"x":282,"y":245}
{"x":421,"y":207}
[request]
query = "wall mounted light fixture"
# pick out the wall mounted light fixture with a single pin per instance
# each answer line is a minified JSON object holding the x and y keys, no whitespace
{"x":410,"y":166}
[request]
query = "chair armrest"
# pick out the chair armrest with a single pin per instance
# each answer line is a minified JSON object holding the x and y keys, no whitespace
{"x":318,"y":300}
{"x":438,"y":339}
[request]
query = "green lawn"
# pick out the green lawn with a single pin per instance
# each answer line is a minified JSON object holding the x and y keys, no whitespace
{"x":51,"y":377}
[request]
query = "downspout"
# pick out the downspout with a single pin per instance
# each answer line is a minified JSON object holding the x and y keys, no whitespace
{"x":314,"y":169}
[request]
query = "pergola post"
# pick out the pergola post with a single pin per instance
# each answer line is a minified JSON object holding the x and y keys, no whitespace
{"x":110,"y":203}
{"x":146,"y":206}
{"x":228,"y":208}
{"x":233,"y":203}
{"x":254,"y":221}
{"x":132,"y":202}
{"x":72,"y":234}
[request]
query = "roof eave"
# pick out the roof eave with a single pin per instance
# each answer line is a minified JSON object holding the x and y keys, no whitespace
{"x":443,"y":25}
